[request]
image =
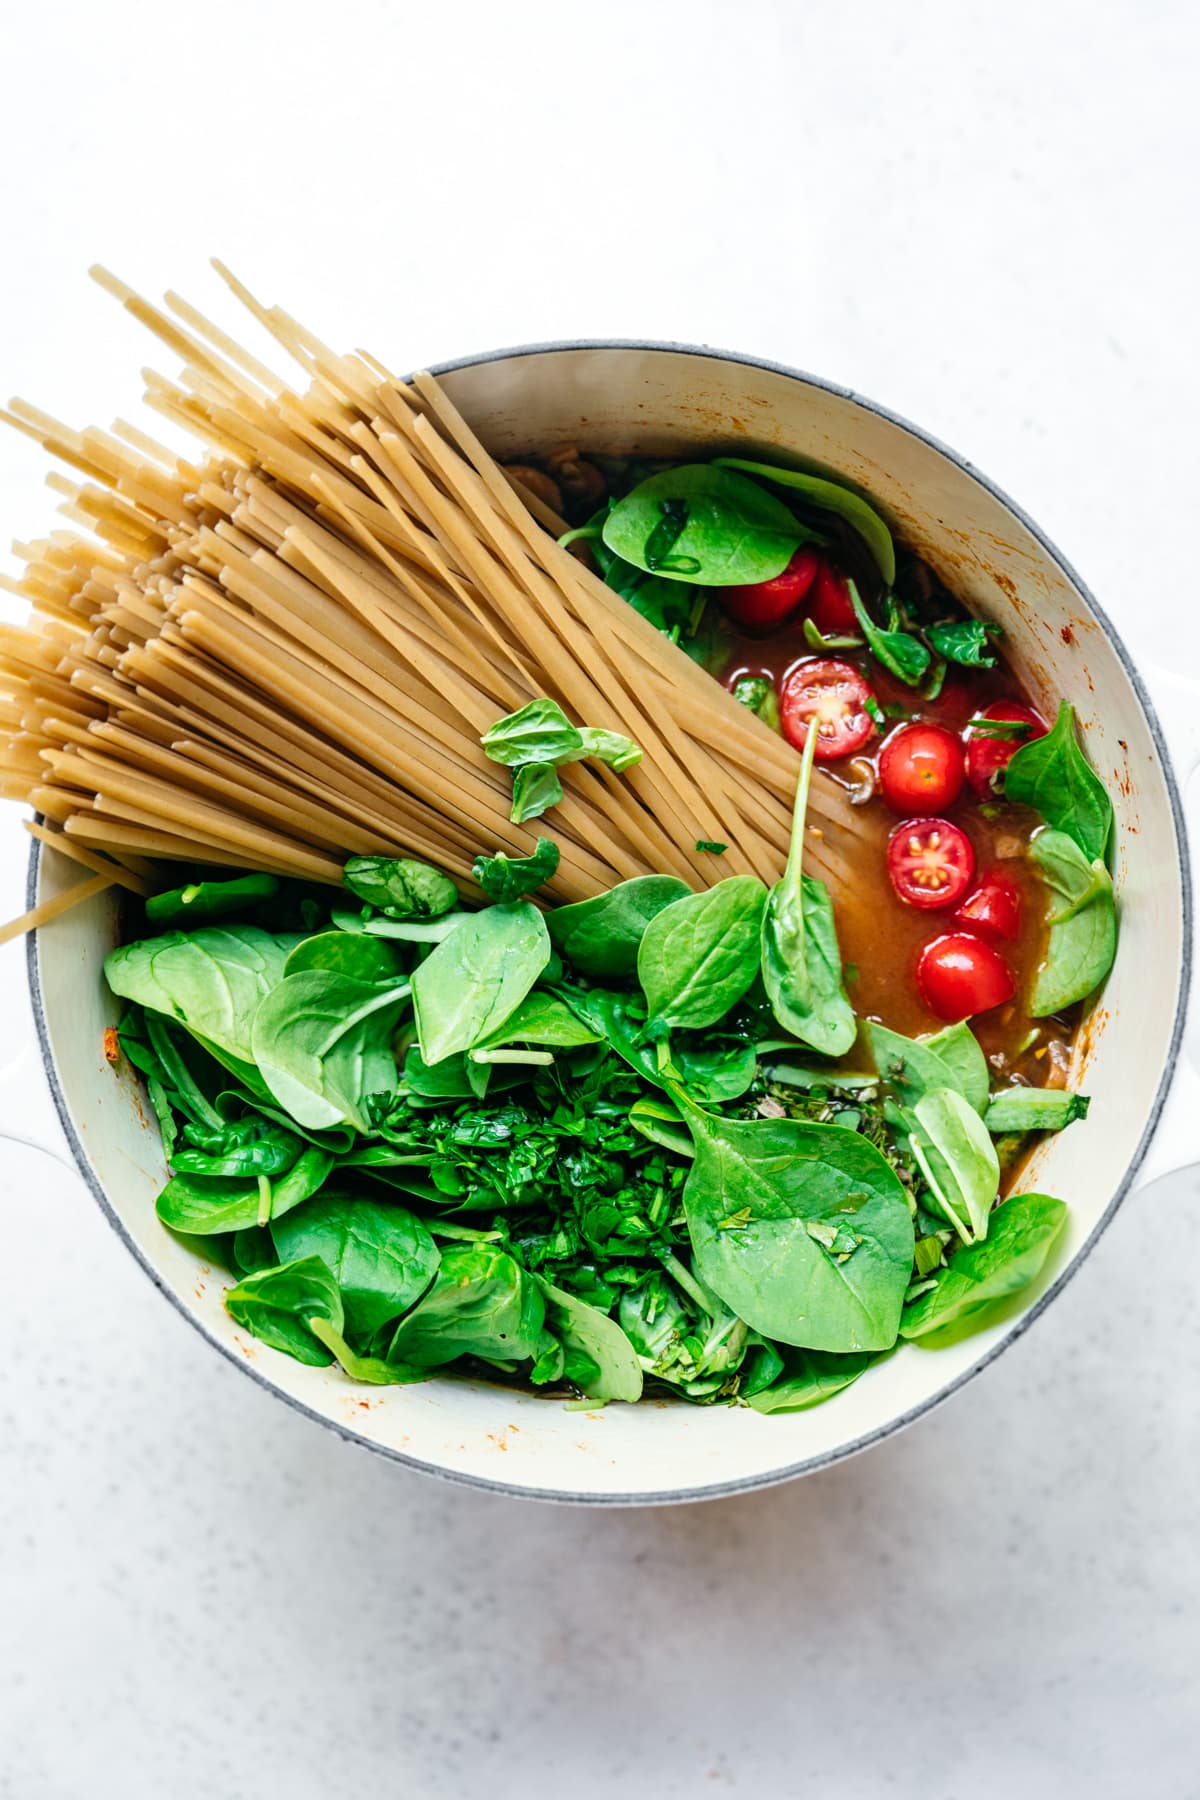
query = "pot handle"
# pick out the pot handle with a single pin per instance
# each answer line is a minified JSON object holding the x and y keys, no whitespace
{"x":1176,"y":1142}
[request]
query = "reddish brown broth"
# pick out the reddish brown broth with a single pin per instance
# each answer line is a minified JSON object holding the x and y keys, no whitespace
{"x":880,"y":935}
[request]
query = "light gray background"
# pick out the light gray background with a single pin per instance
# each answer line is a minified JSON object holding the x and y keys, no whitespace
{"x":983,"y":217}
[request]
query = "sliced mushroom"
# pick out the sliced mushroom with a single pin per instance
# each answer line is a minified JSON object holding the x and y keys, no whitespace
{"x":583,"y":486}
{"x":538,"y":483}
{"x":863,"y":788}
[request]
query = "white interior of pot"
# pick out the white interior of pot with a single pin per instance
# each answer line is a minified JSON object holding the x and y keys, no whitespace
{"x":623,"y":400}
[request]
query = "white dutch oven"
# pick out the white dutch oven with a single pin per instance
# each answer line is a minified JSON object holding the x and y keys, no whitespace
{"x":655,"y":399}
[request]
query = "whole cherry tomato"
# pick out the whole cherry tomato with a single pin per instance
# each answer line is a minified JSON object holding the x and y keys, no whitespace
{"x":988,"y":755}
{"x":830,"y":607}
{"x":765,"y":605}
{"x":921,"y":769}
{"x":994,"y":909}
{"x":959,"y":976}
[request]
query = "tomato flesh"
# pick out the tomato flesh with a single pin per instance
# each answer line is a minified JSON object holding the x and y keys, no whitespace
{"x":921,"y":769}
{"x":832,"y":697}
{"x":988,"y":757}
{"x":959,"y":976}
{"x":994,"y":909}
{"x":830,"y":607}
{"x":930,"y":862}
{"x":765,"y":605}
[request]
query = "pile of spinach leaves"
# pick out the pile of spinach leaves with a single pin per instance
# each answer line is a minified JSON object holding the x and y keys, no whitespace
{"x":609,"y":1144}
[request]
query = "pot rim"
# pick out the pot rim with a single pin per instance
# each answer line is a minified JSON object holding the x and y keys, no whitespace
{"x":827,"y":1459}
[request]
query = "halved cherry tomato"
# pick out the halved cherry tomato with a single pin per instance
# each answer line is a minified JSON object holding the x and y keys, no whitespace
{"x":959,"y":976}
{"x":987,"y":757}
{"x":921,"y":769}
{"x":831,"y":695}
{"x":830,"y":608}
{"x":764,"y":605}
{"x":930,"y":862}
{"x":994,"y":909}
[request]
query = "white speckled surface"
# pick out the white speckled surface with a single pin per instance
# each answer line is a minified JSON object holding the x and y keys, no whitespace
{"x":979,"y":217}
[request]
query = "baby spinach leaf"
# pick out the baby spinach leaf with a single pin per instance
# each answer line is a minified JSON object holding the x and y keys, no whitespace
{"x":808,"y":1377}
{"x":717,"y":1073}
{"x":600,"y":937}
{"x":362,"y":957}
{"x":211,"y":980}
{"x":913,"y":1067}
{"x":404,"y":931}
{"x":608,"y":747}
{"x":1022,"y":1234}
{"x":371,"y":1370}
{"x":667,"y":604}
{"x":322,"y":1043}
{"x":252,"y":1147}
{"x":801,"y":962}
{"x":964,"y":641}
{"x":203,"y":1204}
{"x":699,"y":955}
{"x":957,"y":1158}
{"x":278,"y":1304}
{"x":591,"y":1333}
{"x":201,"y":901}
{"x":661,"y":1122}
{"x":472,"y":982}
{"x":541,"y":1019}
{"x":705,"y":525}
{"x":903,"y":655}
{"x":512,"y":877}
{"x":1034,"y":1109}
{"x":538,"y":733}
{"x":381,"y":1257}
{"x":766,"y":1199}
{"x":1052,"y":775}
{"x":482,"y":1303}
{"x":400,"y":887}
{"x":536,"y":788}
{"x":1083,"y":924}
{"x":829,"y":496}
{"x":618,"y":1020}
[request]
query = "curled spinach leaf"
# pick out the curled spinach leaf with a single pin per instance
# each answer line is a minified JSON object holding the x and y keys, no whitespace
{"x":801,"y":961}
{"x":1082,"y":920}
{"x":913,"y":1067}
{"x":512,"y":877}
{"x":723,"y":530}
{"x":957,"y":1158}
{"x":829,"y":496}
{"x":608,"y":1368}
{"x":201,"y":901}
{"x":279,"y":1305}
{"x":1022,"y":1234}
{"x":808,"y":1377}
{"x":1052,"y":775}
{"x":1034,"y":1109}
{"x":902,"y":654}
{"x":202,"y":1205}
{"x":963,"y":641}
{"x":536,"y":788}
{"x":399,"y":887}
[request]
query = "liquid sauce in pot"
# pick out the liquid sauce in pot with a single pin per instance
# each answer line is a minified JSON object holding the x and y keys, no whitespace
{"x":880,"y":935}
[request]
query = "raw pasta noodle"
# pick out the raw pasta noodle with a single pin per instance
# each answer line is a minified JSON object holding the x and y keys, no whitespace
{"x":286,"y":651}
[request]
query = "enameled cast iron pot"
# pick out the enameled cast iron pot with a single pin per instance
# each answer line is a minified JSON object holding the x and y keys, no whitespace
{"x":658,"y":399}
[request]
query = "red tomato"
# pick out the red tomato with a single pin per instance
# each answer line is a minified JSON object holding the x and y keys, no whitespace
{"x":930,"y":861}
{"x":921,"y":769}
{"x":830,"y":609}
{"x":834,"y":696}
{"x":987,"y":757}
{"x":764,"y":605}
{"x":959,"y":976}
{"x":994,"y":909}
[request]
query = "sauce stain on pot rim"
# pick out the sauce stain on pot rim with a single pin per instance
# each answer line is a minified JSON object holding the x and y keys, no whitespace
{"x":1093,"y":1027}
